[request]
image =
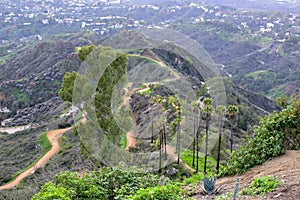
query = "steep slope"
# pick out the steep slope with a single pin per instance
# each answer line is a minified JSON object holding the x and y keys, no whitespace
{"x":34,"y":75}
{"x":286,"y":168}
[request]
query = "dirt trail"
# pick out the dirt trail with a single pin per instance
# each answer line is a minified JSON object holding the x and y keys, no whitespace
{"x":53,"y":137}
{"x":131,"y":141}
{"x":286,"y":168}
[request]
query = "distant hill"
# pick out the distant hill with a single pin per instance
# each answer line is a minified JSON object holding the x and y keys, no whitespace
{"x":271,"y":69}
{"x":268,"y":5}
{"x":33,"y":75}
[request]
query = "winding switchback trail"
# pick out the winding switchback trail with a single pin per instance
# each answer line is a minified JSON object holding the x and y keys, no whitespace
{"x":53,"y":137}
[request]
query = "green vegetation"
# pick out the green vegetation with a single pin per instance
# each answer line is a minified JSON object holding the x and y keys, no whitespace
{"x":107,"y":183}
{"x":43,"y":140}
{"x":261,"y":186}
{"x":187,"y":157}
{"x":66,"y":90}
{"x":195,"y":178}
{"x":4,"y":58}
{"x":50,"y":191}
{"x":123,"y":141}
{"x":85,"y":51}
{"x":276,"y":132}
{"x":109,"y":79}
{"x":255,"y":74}
{"x":166,"y":192}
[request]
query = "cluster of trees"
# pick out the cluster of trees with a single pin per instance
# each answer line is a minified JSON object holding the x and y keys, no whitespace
{"x":172,"y":116}
{"x":203,"y":111}
{"x":104,"y":91}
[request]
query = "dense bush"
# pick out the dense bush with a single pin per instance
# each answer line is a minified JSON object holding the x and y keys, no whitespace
{"x":104,"y":184}
{"x":276,"y":132}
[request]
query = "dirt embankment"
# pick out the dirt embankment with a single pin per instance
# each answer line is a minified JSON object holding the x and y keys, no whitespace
{"x":286,"y":168}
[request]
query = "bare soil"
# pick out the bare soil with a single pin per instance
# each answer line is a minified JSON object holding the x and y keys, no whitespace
{"x":286,"y":168}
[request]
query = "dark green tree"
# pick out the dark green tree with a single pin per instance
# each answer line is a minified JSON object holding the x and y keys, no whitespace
{"x":66,"y":91}
{"x":85,"y":51}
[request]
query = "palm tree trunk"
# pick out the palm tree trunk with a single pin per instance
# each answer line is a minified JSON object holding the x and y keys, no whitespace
{"x":231,"y":137}
{"x":197,"y":144}
{"x":194,"y":141}
{"x":160,"y":149}
{"x":178,"y":139}
{"x":219,"y":145}
{"x":165,"y":141}
{"x":206,"y":141}
{"x":152,"y":137}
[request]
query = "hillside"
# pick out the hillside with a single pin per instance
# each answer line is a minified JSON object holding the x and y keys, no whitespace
{"x":48,"y":72}
{"x":286,"y":168}
{"x":127,"y":99}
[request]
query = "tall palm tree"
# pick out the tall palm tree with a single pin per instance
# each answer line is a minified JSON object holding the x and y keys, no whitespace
{"x":231,"y":110}
{"x":208,"y":108}
{"x":220,"y":110}
{"x":195,"y":109}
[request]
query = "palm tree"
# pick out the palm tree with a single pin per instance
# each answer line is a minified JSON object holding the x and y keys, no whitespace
{"x":220,"y":110}
{"x":231,"y":110}
{"x":195,"y":110}
{"x":152,"y":102}
{"x":178,"y":111}
{"x":208,"y":108}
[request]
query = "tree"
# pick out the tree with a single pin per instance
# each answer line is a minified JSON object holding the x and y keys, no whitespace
{"x":162,"y":132}
{"x":2,"y":98}
{"x":220,"y":110}
{"x":66,"y":91}
{"x":178,"y":117}
{"x":195,"y":107}
{"x":208,"y":108}
{"x":231,"y":110}
{"x":85,"y":51}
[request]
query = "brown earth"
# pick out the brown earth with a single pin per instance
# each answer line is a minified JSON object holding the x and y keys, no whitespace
{"x":53,"y":137}
{"x":286,"y":168}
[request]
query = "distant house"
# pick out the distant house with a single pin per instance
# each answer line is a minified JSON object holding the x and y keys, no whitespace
{"x":4,"y":110}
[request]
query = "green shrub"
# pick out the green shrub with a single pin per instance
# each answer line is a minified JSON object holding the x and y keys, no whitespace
{"x":103,"y":184}
{"x":261,"y":185}
{"x":167,"y":192}
{"x":277,"y":132}
{"x":50,"y":191}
